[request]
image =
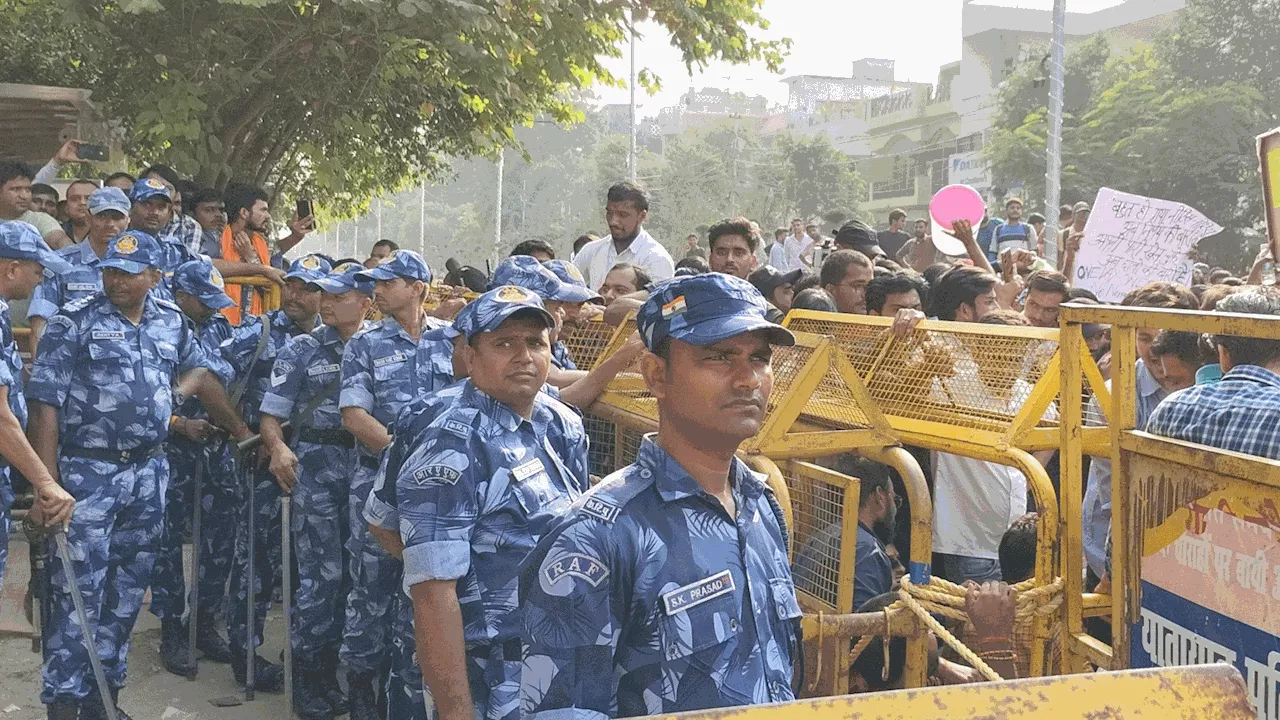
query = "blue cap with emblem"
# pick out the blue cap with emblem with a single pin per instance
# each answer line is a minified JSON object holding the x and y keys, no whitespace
{"x":147,"y":188}
{"x":345,"y":278}
{"x":487,"y":312}
{"x":705,"y":309}
{"x":201,"y":280}
{"x":132,"y":251}
{"x":109,"y":198}
{"x":526,"y":272}
{"x":308,"y":268}
{"x":22,"y":241}
{"x":406,"y":264}
{"x":571,"y":275}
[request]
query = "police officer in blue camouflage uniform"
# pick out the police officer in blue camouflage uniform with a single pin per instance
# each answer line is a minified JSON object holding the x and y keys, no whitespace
{"x":22,"y":253}
{"x":151,"y":211}
{"x":108,"y":217}
{"x":198,"y":290}
{"x":251,"y":351}
{"x":570,"y":275}
{"x":667,"y":586}
{"x":317,"y":470}
{"x":558,"y":297}
{"x":379,"y":371}
{"x":102,"y":393}
{"x":488,"y":465}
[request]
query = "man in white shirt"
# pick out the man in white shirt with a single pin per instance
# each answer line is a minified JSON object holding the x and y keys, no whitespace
{"x":798,"y":247}
{"x":626,"y":208}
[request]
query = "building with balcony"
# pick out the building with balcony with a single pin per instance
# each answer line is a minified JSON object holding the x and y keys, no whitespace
{"x":711,"y":106}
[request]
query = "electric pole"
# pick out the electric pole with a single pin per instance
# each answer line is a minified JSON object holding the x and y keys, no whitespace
{"x":1053,"y":153}
{"x":631,"y":153}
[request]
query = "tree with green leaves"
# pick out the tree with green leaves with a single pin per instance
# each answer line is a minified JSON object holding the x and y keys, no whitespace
{"x":343,"y":99}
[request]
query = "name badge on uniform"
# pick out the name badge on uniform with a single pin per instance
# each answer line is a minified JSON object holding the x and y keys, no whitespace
{"x":323,"y":369}
{"x":696,"y":593}
{"x":82,"y":287}
{"x":524,"y":471}
{"x":390,"y":359}
{"x":108,"y":335}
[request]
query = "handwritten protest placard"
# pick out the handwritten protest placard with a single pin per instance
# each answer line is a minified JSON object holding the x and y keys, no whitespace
{"x":1132,"y":240}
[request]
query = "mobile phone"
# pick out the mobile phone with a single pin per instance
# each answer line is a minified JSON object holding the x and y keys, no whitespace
{"x":89,"y":151}
{"x":303,"y":209}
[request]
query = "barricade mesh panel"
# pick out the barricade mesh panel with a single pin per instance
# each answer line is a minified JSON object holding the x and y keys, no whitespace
{"x":601,"y":455}
{"x":969,"y":380}
{"x":587,"y":341}
{"x":818,"y":504}
{"x":629,"y":444}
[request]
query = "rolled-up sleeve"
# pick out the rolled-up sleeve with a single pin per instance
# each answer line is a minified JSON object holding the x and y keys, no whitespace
{"x":286,"y":378}
{"x":55,"y":360}
{"x":437,"y":494}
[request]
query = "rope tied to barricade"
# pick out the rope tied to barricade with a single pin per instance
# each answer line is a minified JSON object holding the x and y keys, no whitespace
{"x":948,"y":600}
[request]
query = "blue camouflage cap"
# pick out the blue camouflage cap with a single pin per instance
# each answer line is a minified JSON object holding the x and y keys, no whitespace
{"x":344,"y":278}
{"x":308,"y":268}
{"x":147,"y":188}
{"x":406,"y":264}
{"x":132,"y":251}
{"x":705,"y":309}
{"x":200,"y":279}
{"x":570,"y":275}
{"x":109,"y":198}
{"x":487,"y":312}
{"x":526,"y":272}
{"x":22,"y":241}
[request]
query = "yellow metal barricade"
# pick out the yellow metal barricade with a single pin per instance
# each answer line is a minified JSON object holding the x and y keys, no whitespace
{"x":270,"y":290}
{"x":1195,"y":560}
{"x":1202,"y":693}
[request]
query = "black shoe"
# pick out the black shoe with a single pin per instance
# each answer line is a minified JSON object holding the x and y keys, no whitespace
{"x":91,"y":707}
{"x":364,"y":698}
{"x":174,"y":650}
{"x":309,"y":701}
{"x":330,"y":685}
{"x":268,"y":677}
{"x":64,"y":710}
{"x":210,"y":642}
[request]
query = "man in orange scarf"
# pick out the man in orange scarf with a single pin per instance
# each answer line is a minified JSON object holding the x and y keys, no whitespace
{"x":243,"y":250}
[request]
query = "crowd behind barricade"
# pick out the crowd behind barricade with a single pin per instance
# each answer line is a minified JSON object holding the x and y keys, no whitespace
{"x":452,"y":550}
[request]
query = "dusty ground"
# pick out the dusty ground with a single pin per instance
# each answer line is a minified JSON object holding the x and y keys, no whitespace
{"x":151,"y":693}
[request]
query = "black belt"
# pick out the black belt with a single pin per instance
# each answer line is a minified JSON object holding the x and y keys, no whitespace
{"x":373,"y":463}
{"x":121,"y":457}
{"x":338,"y":437}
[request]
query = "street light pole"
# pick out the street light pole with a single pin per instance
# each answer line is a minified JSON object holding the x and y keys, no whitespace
{"x":497,"y":215}
{"x":1053,"y":174}
{"x":631,"y":153}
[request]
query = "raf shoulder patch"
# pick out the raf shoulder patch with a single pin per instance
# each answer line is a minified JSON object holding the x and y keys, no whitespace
{"x":600,"y":509}
{"x":698,"y":592}
{"x":577,"y":565}
{"x":437,"y":474}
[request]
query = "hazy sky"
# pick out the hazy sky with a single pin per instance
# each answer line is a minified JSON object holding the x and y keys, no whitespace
{"x":827,"y":36}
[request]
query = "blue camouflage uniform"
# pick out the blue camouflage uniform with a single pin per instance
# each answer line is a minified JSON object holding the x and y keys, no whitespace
{"x":83,"y":277}
{"x":379,"y":375}
{"x":21,"y":241}
{"x":310,"y":367}
{"x":569,"y":274}
{"x":112,"y":384}
{"x":478,"y":486}
{"x":256,"y":374}
{"x":186,"y":456}
{"x":649,"y":597}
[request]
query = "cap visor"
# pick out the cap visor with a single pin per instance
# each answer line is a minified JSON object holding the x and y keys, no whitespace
{"x":129,"y":266}
{"x":217,"y":301}
{"x":306,"y":276}
{"x":574,"y":294}
{"x":53,"y":262}
{"x":375,"y":274}
{"x":508,"y":312}
{"x":331,"y":286}
{"x":711,"y":332}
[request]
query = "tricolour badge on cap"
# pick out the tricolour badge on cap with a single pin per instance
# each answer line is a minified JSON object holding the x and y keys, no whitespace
{"x":155,"y":184}
{"x":215,"y":277}
{"x":126,"y":245}
{"x":673,"y":308}
{"x":511,"y":293}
